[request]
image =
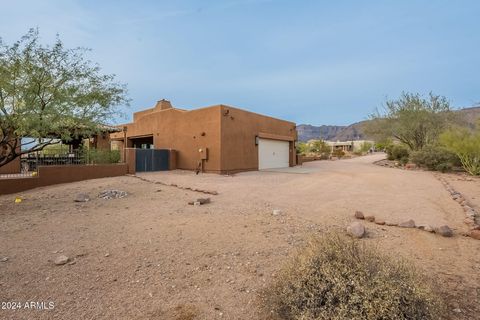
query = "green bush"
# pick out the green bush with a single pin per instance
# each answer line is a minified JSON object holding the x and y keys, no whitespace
{"x":435,"y":158}
{"x":101,"y":156}
{"x":397,"y":152}
{"x":336,"y":277}
{"x":466,"y":145}
{"x":365,"y":147}
{"x":302,"y":148}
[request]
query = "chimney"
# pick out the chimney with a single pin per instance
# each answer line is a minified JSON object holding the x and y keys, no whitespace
{"x":163,"y":105}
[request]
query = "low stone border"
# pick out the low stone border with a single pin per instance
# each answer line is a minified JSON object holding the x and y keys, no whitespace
{"x":444,"y":231}
{"x":472,"y":216}
{"x":176,"y":186}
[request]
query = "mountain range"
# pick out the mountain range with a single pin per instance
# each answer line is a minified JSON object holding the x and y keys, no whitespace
{"x":355,"y":131}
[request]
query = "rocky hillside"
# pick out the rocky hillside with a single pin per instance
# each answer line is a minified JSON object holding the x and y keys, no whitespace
{"x":355,"y":132}
{"x":352,"y":132}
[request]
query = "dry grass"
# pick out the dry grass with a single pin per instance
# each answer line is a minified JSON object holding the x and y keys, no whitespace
{"x":336,"y":277}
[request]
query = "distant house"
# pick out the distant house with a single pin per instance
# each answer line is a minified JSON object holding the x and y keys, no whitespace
{"x":219,"y":138}
{"x":351,"y":146}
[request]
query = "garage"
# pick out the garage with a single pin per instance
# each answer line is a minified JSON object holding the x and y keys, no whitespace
{"x":273,"y":154}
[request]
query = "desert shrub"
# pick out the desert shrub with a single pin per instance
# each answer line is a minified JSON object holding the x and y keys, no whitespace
{"x":338,"y":153}
{"x":302,"y":148}
{"x":397,"y":152}
{"x":100,"y":156}
{"x":443,"y":167}
{"x":365,"y":146}
{"x":435,"y":158}
{"x":382,"y":144}
{"x":466,"y":145}
{"x":336,"y":277}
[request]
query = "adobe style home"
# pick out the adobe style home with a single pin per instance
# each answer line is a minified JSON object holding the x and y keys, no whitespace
{"x":219,"y":138}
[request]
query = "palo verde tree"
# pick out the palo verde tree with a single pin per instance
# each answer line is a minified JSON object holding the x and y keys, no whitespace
{"x":412,"y":119}
{"x":49,"y":93}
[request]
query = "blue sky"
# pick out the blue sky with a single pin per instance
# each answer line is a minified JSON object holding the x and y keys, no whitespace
{"x":316,"y":62}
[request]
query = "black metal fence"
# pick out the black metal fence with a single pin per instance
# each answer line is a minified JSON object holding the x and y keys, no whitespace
{"x":30,"y":162}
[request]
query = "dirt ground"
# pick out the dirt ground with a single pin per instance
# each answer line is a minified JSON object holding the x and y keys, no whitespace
{"x":150,"y":255}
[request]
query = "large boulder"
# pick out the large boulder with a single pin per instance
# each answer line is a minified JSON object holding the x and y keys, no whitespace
{"x":356,"y":230}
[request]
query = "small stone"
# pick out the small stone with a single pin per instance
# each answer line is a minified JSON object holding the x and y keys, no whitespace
{"x":457,"y":310}
{"x":197,"y":203}
{"x":203,"y":200}
{"x":391,"y":223}
{"x":370,"y":218}
{"x":379,"y":222}
{"x":475,"y":234}
{"x":4,"y":259}
{"x":407,"y":224}
{"x":82,"y":197}
{"x":107,"y":255}
{"x":60,"y":260}
{"x":359,"y":215}
{"x":425,"y":227}
{"x":277,"y":212}
{"x":356,"y":230}
{"x":444,"y":231}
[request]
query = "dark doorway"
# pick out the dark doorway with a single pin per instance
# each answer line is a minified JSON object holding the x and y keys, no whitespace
{"x":142,"y":143}
{"x":152,"y":160}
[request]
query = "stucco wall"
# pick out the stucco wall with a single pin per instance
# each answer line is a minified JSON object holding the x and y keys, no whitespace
{"x":185,"y":132}
{"x":11,"y":167}
{"x":50,"y":175}
{"x":239,"y":129}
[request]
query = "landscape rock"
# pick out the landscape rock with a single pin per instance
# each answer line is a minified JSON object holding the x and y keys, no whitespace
{"x":359,"y":215}
{"x":112,"y":194}
{"x":61,"y":260}
{"x":82,"y":197}
{"x":370,"y":218}
{"x":356,"y":230}
{"x":407,"y":224}
{"x":391,"y":223}
{"x":475,"y":234}
{"x":444,"y":231}
{"x":277,"y":212}
{"x":426,"y":227}
{"x":380,"y":222}
{"x":199,"y":201}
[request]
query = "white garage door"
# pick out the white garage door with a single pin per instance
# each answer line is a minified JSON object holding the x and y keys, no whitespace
{"x":273,"y":154}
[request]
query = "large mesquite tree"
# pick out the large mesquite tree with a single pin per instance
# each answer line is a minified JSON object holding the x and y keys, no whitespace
{"x":49,"y":93}
{"x":412,"y":119}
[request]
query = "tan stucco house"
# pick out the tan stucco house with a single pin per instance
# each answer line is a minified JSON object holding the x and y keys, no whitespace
{"x":218,"y":138}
